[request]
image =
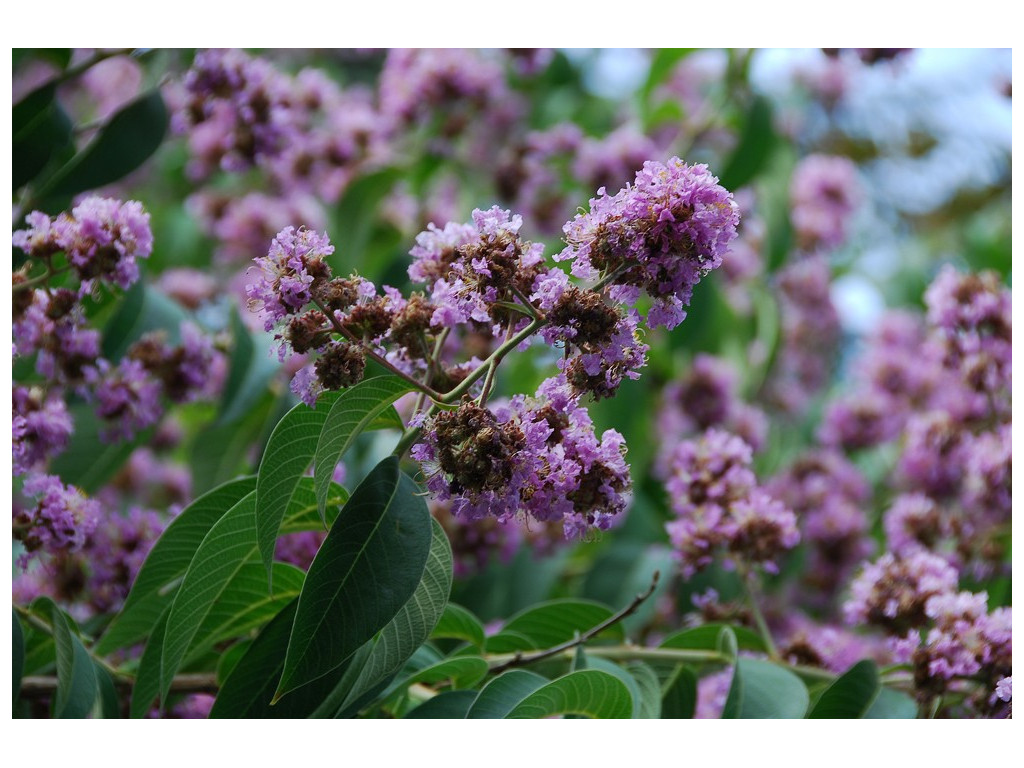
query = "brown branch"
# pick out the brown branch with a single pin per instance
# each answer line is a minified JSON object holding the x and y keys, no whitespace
{"x":41,"y":686}
{"x":520,"y":659}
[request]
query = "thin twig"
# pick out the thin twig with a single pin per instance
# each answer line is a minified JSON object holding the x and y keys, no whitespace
{"x":519,"y":658}
{"x":747,"y":577}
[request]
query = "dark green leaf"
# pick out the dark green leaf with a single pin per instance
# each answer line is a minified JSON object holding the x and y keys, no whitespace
{"x":224,"y":558}
{"x":412,"y":625}
{"x":450,"y":705}
{"x":167,"y":562}
{"x":230,"y":658}
{"x":851,"y":695}
{"x":367,"y":568}
{"x":757,"y":139}
{"x":40,"y":131}
{"x":457,"y":623}
{"x":891,"y":705}
{"x":17,"y":654}
{"x":122,"y":145}
{"x":250,"y":371}
{"x":501,"y":695}
{"x":557,"y":621}
{"x":109,"y":702}
{"x":356,"y":216}
{"x":144,"y":309}
{"x":287,"y":457}
{"x":762,"y":690}
{"x":249,"y":688}
{"x":89,"y":462}
{"x":146,"y":687}
{"x":460,"y":671}
{"x":76,"y":677}
{"x":589,"y":692}
{"x":648,"y":694}
{"x":679,"y":700}
{"x":351,"y":413}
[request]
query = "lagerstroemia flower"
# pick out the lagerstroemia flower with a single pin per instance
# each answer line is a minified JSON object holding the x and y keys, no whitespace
{"x":659,"y":235}
{"x":61,"y":520}
{"x":537,"y":456}
{"x":719,"y":506}
{"x":823,"y":193}
{"x":41,"y":427}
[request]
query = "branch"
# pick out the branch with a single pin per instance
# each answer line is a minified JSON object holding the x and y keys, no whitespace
{"x":519,"y":658}
{"x":41,"y":686}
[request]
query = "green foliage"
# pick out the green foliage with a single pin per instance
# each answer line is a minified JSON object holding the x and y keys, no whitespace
{"x":17,"y":654}
{"x":501,"y":695}
{"x":589,"y":692}
{"x":761,"y":689}
{"x":124,"y":143}
{"x":679,"y":696}
{"x":457,"y":623}
{"x":851,"y":695}
{"x":891,"y":705}
{"x":352,"y":412}
{"x":368,"y":567}
{"x":76,"y":675}
{"x":551,"y":623}
{"x":153,"y":590}
{"x":41,"y":132}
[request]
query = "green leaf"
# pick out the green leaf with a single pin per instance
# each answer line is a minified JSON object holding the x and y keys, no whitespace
{"x":351,"y":413}
{"x":705,"y":638}
{"x":851,"y":695}
{"x":648,"y":705}
{"x":144,"y":309}
{"x":250,"y":371}
{"x":167,"y":562}
{"x":501,"y":695}
{"x":355,"y":215}
{"x":891,"y":705}
{"x":224,"y":557}
{"x":249,"y":689}
{"x":762,"y":690}
{"x":457,"y":623}
{"x":450,"y":705}
{"x":679,"y":700}
{"x":288,"y":455}
{"x":76,"y":677}
{"x":589,"y":692}
{"x":89,"y":462}
{"x":122,"y":145}
{"x":664,"y":61}
{"x":412,"y":625}
{"x":17,"y":654}
{"x":229,"y":660}
{"x":367,"y":568}
{"x":757,"y":139}
{"x":554,"y":622}
{"x":460,"y":671}
{"x":40,"y":131}
{"x":222,"y":452}
{"x":146,"y":687}
{"x":109,"y":703}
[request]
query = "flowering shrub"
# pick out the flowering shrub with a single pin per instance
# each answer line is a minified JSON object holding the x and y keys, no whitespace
{"x":362,"y":383}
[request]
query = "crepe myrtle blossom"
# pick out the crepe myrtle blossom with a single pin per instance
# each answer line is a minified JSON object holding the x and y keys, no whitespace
{"x":61,"y":520}
{"x":657,"y":236}
{"x":824,"y":193}
{"x":893,"y":591}
{"x":536,"y":456}
{"x":718,"y":505}
{"x":41,"y":427}
{"x":102,"y":238}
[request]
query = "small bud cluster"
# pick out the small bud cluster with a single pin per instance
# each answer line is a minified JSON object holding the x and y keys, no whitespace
{"x":718,"y":505}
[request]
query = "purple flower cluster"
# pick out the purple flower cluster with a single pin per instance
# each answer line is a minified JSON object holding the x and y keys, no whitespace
{"x":114,"y":554}
{"x":41,"y":427}
{"x":829,"y":496}
{"x":60,"y":521}
{"x":707,"y":396}
{"x":810,"y":335}
{"x":659,"y":235}
{"x":824,"y":192}
{"x":971,"y":315}
{"x":892,"y":591}
{"x":718,"y":505}
{"x":102,"y":238}
{"x":537,"y":456}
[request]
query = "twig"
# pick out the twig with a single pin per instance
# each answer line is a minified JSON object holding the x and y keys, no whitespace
{"x":519,"y":658}
{"x":40,"y":686}
{"x":747,"y":577}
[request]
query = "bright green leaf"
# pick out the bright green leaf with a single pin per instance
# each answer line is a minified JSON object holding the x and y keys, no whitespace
{"x":502,"y":694}
{"x":589,"y":692}
{"x":458,"y":623}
